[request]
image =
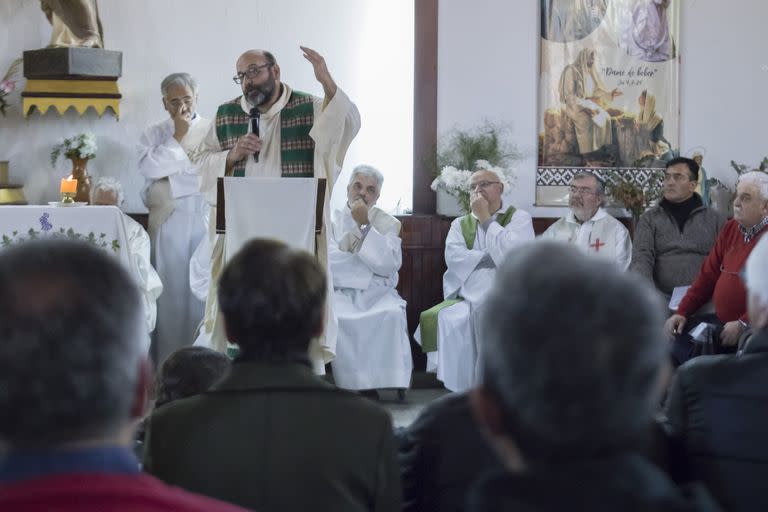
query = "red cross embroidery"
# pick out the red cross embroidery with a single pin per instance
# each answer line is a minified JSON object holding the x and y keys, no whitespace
{"x":597,"y":245}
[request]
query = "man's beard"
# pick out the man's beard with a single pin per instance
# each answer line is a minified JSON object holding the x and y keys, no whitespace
{"x":257,"y":95}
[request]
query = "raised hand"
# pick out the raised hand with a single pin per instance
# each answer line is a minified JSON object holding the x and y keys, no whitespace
{"x":321,"y":71}
{"x":182,"y":120}
{"x":480,"y":207}
{"x":359,"y":211}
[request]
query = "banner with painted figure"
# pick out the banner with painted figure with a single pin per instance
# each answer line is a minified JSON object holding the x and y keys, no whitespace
{"x":608,"y":91}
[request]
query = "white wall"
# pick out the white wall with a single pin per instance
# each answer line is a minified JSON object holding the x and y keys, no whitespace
{"x":368,"y":45}
{"x":488,"y":66}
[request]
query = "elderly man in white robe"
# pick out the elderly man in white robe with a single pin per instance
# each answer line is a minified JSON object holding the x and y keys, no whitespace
{"x":476,"y":245}
{"x":299,"y":135}
{"x":108,"y":192}
{"x":172,"y":194}
{"x":588,"y":226}
{"x":372,"y":348}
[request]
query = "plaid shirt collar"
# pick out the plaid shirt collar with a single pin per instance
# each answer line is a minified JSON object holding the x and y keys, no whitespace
{"x":750,"y":233}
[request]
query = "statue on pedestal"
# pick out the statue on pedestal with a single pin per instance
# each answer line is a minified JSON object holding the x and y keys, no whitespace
{"x":74,"y":22}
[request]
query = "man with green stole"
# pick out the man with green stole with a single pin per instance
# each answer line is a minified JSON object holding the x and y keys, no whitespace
{"x":476,"y":244}
{"x":274,"y":131}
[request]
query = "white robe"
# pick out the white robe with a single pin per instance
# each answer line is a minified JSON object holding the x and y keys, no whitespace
{"x":336,"y":122}
{"x":470,"y":276}
{"x":602,"y":236}
{"x":372,"y":348}
{"x":149,"y":282}
{"x":172,"y":194}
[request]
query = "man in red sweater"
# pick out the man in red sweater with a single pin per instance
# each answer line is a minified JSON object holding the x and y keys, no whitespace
{"x":73,"y":382}
{"x":719,"y":278}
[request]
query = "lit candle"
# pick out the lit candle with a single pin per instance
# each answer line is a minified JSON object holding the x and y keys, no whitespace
{"x":68,"y":185}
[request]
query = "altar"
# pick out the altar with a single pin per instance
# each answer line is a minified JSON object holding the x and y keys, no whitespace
{"x":104,"y":227}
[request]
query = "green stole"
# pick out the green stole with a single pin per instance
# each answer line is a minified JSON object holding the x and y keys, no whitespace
{"x":297,"y":149}
{"x":428,"y":318}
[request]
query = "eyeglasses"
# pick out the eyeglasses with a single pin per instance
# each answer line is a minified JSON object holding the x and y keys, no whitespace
{"x":677,"y":178}
{"x":252,"y":72}
{"x":584,"y":191}
{"x":187,"y":102}
{"x":481,"y":185}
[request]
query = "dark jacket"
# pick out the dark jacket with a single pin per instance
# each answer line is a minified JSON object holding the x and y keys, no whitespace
{"x":277,"y":437}
{"x":668,"y":257}
{"x":442,"y":453}
{"x":625,"y":483}
{"x":718,"y":409}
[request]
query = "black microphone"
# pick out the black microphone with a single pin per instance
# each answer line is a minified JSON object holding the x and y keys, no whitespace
{"x":255,"y":116}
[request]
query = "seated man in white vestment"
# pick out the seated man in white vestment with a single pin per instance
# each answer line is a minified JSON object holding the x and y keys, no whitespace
{"x":108,"y":191}
{"x":476,"y":245}
{"x":588,"y":226}
{"x":172,"y":194}
{"x":372,"y":347}
{"x":274,"y":131}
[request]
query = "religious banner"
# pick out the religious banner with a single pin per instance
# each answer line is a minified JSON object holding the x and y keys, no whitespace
{"x":608,"y":91}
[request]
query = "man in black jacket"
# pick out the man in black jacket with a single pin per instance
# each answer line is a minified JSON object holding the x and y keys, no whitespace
{"x":717,"y":407}
{"x":271,"y":435}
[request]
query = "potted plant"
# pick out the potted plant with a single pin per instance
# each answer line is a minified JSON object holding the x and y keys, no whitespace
{"x":462,"y":152}
{"x":634,"y":197}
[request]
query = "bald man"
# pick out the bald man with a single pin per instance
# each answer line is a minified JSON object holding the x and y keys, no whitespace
{"x":299,"y":136}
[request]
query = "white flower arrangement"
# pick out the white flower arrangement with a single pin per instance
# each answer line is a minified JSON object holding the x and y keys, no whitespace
{"x":79,"y":146}
{"x":456,"y":181}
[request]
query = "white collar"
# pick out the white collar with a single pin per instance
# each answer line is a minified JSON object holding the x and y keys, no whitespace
{"x":275,"y":109}
{"x":599,"y":214}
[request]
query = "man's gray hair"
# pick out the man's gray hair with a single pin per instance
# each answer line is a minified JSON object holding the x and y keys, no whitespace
{"x":757,"y":271}
{"x":759,"y":179}
{"x":367,"y":170}
{"x":183,"y":79}
{"x":109,"y":184}
{"x":586,"y":174}
{"x":71,"y":321}
{"x":572,"y":349}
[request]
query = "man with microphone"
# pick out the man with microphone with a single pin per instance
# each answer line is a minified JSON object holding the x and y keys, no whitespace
{"x":273,"y":131}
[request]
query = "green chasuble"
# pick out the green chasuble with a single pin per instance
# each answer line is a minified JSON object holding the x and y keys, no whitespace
{"x":428,"y":318}
{"x":297,"y":149}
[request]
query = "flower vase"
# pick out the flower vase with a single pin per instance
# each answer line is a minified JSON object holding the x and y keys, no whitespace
{"x":80,"y":173}
{"x":447,"y":204}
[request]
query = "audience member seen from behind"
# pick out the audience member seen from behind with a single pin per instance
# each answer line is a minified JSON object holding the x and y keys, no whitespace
{"x":73,"y":381}
{"x":272,"y":435}
{"x":186,"y":372}
{"x":441,"y":453}
{"x":716,"y":407}
{"x":573,"y":370}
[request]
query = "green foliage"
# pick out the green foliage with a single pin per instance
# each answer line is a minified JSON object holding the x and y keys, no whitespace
{"x":462,"y":148}
{"x":636,"y":198}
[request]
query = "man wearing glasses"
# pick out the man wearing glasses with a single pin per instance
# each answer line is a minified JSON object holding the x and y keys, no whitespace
{"x":476,"y":244}
{"x":673,"y":238}
{"x":719,"y":278}
{"x":172,"y":194}
{"x":589,"y":226}
{"x":273,"y":131}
